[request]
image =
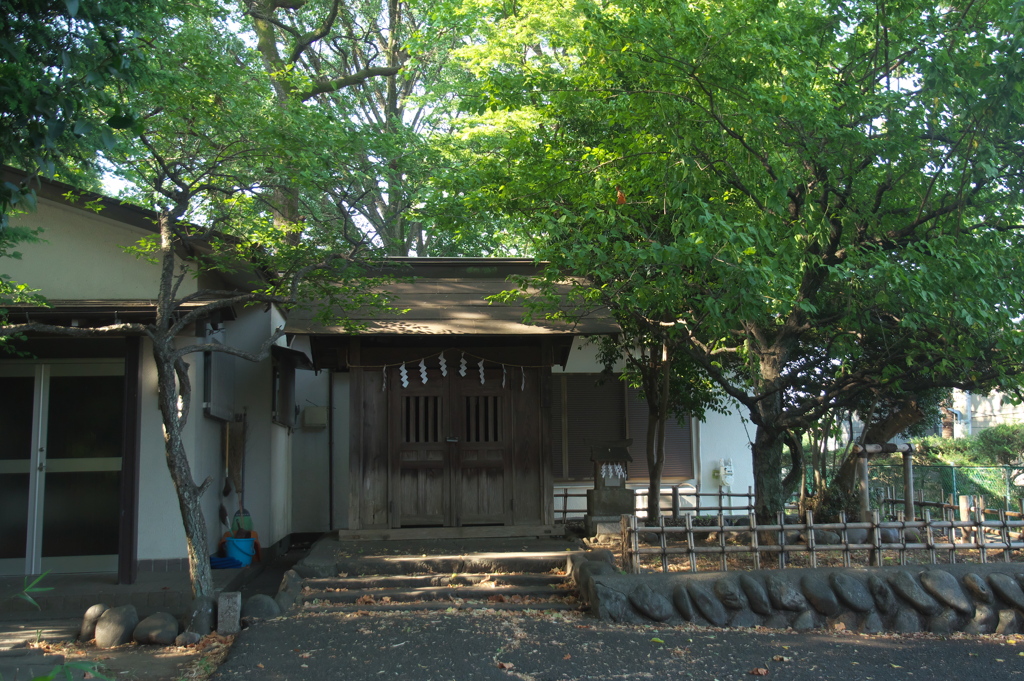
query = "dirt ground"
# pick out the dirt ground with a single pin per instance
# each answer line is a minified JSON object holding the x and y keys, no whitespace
{"x":133,"y":662}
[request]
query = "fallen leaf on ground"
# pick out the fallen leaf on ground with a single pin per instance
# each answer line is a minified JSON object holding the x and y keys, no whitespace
{"x":781,"y":658}
{"x":496,"y":598}
{"x":569,"y":657}
{"x":656,"y":640}
{"x":505,"y":665}
{"x":759,"y":671}
{"x":366,"y":600}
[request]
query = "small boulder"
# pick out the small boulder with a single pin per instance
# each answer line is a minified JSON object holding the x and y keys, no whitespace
{"x":743,"y":619}
{"x":115,"y":626}
{"x":261,"y":607}
{"x":857,"y":536}
{"x":88,"y":629}
{"x":946,"y":622}
{"x":871,"y":624}
{"x":159,"y":628}
{"x":187,"y":638}
{"x":804,"y":621}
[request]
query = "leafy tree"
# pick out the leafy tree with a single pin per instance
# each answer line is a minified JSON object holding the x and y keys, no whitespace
{"x":59,"y":58}
{"x":198,"y":156}
{"x":821,"y":201}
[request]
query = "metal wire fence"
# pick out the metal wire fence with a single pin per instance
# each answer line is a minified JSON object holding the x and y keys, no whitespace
{"x":940,"y":483}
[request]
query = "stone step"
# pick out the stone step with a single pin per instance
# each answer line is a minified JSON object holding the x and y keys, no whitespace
{"x":437,"y":580}
{"x":431,"y":593}
{"x":511,"y":562}
{"x":561,"y":605}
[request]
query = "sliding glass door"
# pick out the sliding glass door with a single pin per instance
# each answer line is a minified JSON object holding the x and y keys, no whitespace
{"x":61,"y":453}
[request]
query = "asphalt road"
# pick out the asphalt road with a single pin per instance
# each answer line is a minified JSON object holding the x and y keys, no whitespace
{"x":467,"y":645}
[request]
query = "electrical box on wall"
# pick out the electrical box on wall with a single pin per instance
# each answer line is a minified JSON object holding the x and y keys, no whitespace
{"x":314,"y":417}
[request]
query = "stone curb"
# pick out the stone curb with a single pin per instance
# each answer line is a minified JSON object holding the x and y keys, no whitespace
{"x":975,"y":599}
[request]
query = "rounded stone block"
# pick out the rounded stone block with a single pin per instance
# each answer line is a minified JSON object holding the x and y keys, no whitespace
{"x":978,"y":588}
{"x":946,"y":589}
{"x":729,"y":592}
{"x":783,"y":596}
{"x":681,"y":599}
{"x":1007,"y":588}
{"x":709,"y":607}
{"x":820,"y":595}
{"x":883,"y":596}
{"x":650,"y":604}
{"x":851,"y":591}
{"x":756,"y":595}
{"x":909,"y":590}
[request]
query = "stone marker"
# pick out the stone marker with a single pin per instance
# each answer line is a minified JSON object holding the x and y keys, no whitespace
{"x":229,"y":613}
{"x":261,"y":606}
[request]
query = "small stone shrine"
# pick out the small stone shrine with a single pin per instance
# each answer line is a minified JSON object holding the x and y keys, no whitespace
{"x":610,"y":497}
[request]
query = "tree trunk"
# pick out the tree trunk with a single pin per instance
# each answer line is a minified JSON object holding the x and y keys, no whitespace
{"x":844,"y":487}
{"x":656,"y":437}
{"x":189,"y":494}
{"x":767,"y":454}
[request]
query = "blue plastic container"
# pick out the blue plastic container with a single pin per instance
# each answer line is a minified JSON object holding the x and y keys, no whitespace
{"x":241,"y":550}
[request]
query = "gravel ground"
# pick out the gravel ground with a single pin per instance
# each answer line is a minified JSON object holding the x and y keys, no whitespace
{"x":463,"y":645}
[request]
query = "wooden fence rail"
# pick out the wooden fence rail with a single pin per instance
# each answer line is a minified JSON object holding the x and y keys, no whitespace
{"x":977,"y":533}
{"x":677,"y":506}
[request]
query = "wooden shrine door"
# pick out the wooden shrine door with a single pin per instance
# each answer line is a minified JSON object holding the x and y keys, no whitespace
{"x":451,"y":449}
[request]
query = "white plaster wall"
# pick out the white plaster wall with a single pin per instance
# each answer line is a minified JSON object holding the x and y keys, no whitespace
{"x":725,"y":436}
{"x":161,"y":534}
{"x":83,"y":257}
{"x":265,"y":447}
{"x":310,"y":469}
